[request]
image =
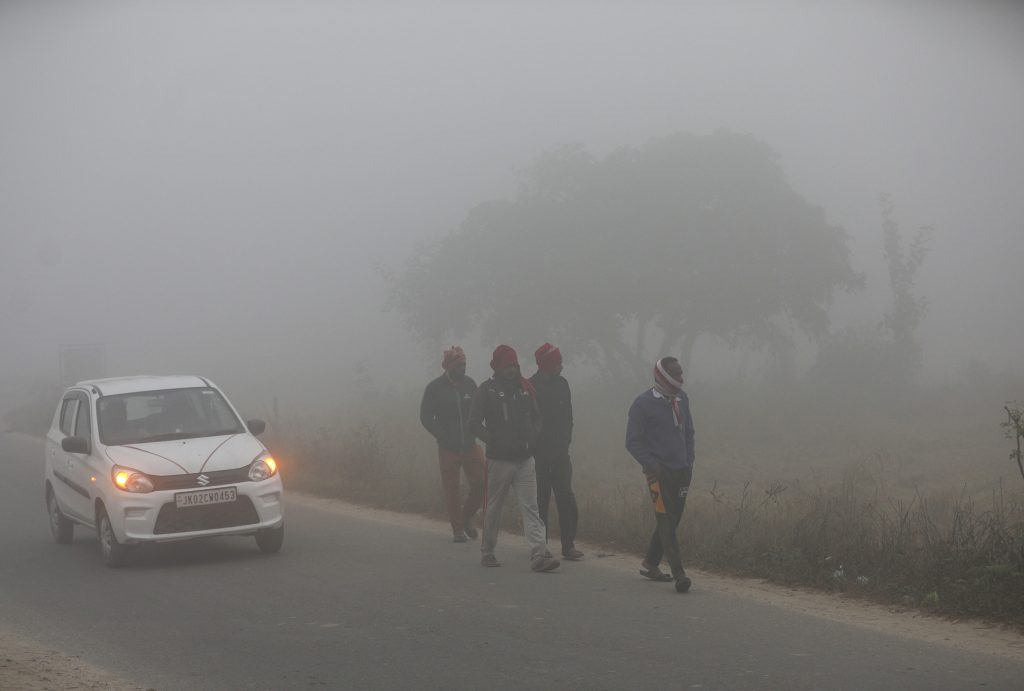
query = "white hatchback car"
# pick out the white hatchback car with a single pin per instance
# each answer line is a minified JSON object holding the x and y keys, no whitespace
{"x":152,"y":459}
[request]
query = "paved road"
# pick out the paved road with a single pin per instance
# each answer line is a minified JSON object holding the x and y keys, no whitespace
{"x":358,"y":603}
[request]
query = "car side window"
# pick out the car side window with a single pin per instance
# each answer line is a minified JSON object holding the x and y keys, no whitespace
{"x":67,"y":415}
{"x":82,"y":423}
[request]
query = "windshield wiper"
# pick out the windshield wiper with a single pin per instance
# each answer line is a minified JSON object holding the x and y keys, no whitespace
{"x":186,"y":435}
{"x":220,"y":433}
{"x":168,"y":437}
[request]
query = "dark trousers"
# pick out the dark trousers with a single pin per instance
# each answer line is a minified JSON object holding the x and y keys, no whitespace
{"x":554,"y":472}
{"x":472,"y":464}
{"x":668,"y":492}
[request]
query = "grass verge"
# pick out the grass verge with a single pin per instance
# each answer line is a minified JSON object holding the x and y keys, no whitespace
{"x":861,"y":531}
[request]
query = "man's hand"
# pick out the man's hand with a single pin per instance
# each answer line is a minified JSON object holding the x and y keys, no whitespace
{"x":653,"y":474}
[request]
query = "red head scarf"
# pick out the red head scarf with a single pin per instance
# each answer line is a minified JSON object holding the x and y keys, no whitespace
{"x":503,"y":357}
{"x":548,"y":358}
{"x":669,"y":387}
{"x":665,"y":382}
{"x":453,"y":356}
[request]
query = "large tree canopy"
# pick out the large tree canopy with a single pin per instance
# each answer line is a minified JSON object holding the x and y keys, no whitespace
{"x":635,"y":255}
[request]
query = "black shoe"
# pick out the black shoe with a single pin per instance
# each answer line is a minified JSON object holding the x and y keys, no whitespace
{"x":683,"y":584}
{"x":572,"y":554}
{"x":654,"y":573}
{"x":545,"y":564}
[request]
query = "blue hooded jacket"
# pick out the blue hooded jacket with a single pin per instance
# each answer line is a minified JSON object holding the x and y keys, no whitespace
{"x":652,"y":436}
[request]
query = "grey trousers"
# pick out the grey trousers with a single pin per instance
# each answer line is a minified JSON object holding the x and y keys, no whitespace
{"x":521,"y":476}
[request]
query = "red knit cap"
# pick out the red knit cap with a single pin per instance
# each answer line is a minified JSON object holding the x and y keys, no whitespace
{"x":503,"y":357}
{"x":453,"y":356}
{"x":548,"y":357}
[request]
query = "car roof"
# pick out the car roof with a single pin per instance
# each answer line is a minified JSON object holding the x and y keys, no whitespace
{"x":121,"y":385}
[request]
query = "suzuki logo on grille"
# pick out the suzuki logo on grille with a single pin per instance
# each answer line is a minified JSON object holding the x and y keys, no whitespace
{"x":203,"y":480}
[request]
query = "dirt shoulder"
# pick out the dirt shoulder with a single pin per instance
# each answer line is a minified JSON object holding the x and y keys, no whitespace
{"x":29,"y":666}
{"x":967,"y":636}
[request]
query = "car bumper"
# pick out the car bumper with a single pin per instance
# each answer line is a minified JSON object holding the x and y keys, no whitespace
{"x":154,"y":517}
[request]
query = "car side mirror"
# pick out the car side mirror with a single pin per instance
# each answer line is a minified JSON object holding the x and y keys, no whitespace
{"x":75,"y":445}
{"x":257,"y":427}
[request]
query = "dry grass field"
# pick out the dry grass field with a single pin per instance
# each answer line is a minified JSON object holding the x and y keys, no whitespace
{"x":914,"y":502}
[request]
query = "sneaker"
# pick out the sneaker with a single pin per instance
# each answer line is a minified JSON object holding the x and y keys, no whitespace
{"x":459,"y":537}
{"x":544,"y":564}
{"x":471,"y":532}
{"x":572,"y":554}
{"x":489,"y":560}
{"x":654,"y":573}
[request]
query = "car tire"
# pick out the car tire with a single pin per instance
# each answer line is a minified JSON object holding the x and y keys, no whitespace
{"x":61,"y":527}
{"x":270,"y":540}
{"x":114,"y":554}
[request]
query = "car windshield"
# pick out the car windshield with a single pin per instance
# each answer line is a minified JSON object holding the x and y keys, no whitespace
{"x":147,"y":416}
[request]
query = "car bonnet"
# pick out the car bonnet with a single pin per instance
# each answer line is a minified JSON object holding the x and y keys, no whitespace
{"x":188,"y":456}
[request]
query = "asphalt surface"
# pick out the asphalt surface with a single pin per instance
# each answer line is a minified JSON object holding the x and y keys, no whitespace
{"x":364,"y":604}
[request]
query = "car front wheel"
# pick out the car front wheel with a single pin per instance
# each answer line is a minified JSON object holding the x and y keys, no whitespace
{"x":113,"y":552}
{"x":61,"y":527}
{"x":270,"y":540}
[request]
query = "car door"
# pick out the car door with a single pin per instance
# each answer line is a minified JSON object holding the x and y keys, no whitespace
{"x":82,"y":468}
{"x":57,"y":457}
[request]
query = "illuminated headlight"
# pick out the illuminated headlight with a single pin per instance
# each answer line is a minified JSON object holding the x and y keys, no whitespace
{"x":131,"y":480}
{"x":262,"y":468}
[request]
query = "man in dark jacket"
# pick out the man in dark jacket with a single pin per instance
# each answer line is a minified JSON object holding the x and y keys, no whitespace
{"x":554,"y":469}
{"x":506,"y":418}
{"x":660,"y":437}
{"x":444,"y":411}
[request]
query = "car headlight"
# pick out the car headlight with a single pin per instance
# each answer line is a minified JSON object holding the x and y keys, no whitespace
{"x":262,"y":468}
{"x":131,"y":480}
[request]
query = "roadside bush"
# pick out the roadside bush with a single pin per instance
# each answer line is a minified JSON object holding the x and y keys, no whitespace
{"x":946,"y":552}
{"x":847,"y":498}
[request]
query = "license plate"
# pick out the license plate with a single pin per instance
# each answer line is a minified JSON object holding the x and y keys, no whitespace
{"x":221,"y":495}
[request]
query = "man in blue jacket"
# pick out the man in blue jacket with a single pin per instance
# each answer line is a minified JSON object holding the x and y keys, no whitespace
{"x":660,"y":437}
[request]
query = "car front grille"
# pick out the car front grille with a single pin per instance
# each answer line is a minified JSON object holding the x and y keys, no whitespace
{"x":191,"y":481}
{"x":171,"y":519}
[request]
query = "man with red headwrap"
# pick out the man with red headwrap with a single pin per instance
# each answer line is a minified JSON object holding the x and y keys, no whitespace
{"x":660,"y":437}
{"x":506,"y":418}
{"x":554,"y":469}
{"x":444,"y":411}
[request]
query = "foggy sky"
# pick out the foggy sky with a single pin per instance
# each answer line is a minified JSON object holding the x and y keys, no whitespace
{"x":210,"y":187}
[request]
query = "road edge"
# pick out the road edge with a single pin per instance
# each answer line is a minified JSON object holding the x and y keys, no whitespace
{"x":28,"y":665}
{"x":968,"y":636}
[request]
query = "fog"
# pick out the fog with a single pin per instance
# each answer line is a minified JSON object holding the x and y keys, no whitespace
{"x":220,"y":187}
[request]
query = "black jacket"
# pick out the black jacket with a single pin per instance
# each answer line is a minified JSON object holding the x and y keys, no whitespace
{"x":555,"y":402}
{"x":444,"y":411}
{"x":506,"y":418}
